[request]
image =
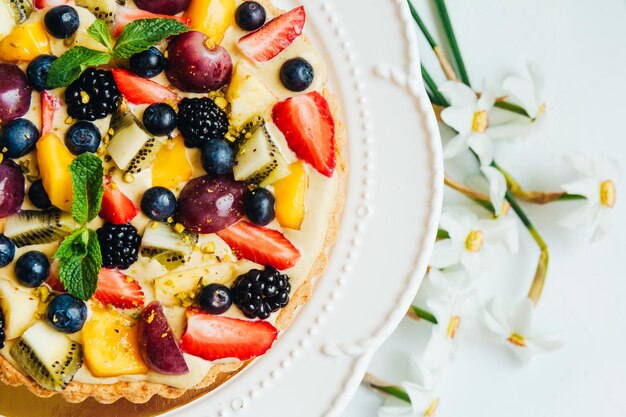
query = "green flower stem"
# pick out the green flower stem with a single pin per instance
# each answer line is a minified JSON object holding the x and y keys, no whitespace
{"x":505,"y":105}
{"x":430,"y":83}
{"x":537,"y":197}
{"x":454,"y":46}
{"x":418,"y":313}
{"x":381,"y":386}
{"x":443,"y":61}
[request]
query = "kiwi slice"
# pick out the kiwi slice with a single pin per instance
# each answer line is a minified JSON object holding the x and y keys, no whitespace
{"x":21,"y":9}
{"x":259,"y":161}
{"x":49,"y":357}
{"x":102,"y":9}
{"x":169,"y":247}
{"x":34,"y":227}
{"x":132,"y":148}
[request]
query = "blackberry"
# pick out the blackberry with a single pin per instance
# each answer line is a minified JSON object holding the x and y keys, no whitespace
{"x":94,"y":95}
{"x":119,"y":245}
{"x":260,"y":293}
{"x":200,"y":120}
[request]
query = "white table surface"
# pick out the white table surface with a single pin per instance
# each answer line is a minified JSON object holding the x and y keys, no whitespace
{"x":581,"y":47}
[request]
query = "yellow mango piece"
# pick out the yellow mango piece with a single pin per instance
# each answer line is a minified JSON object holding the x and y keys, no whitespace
{"x":211,"y":17}
{"x":171,"y":166}
{"x":54,"y":161}
{"x":111,"y":346}
{"x":290,"y":193}
{"x":25,"y":43}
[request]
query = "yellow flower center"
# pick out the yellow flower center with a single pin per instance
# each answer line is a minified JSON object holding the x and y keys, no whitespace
{"x":432,"y":408}
{"x":453,"y":326}
{"x":480,"y":122}
{"x":517,"y":339}
{"x":474,"y":241}
{"x":542,"y":109}
{"x":607,"y":193}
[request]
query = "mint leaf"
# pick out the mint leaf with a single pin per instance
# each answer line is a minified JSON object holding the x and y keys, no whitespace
{"x":79,"y":269}
{"x":87,"y":176}
{"x":72,"y":63}
{"x":141,"y":34}
{"x":100,"y":32}
{"x":73,"y":245}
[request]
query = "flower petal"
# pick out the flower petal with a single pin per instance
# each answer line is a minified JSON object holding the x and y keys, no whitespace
{"x":458,"y":94}
{"x":420,"y":397}
{"x":455,"y":146}
{"x":537,"y":78}
{"x":503,"y":231}
{"x":581,"y":216}
{"x":513,"y":130}
{"x":458,"y":221}
{"x":608,"y":169}
{"x":481,"y":144}
{"x":587,"y":187}
{"x":494,"y":318}
{"x":487,"y":99}
{"x":497,"y":187}
{"x":545,"y":343}
{"x":446,"y":253}
{"x":396,"y":411}
{"x":521,"y":317}
{"x":440,"y":348}
{"x":523,"y":91}
{"x":581,"y":163}
{"x":458,"y":118}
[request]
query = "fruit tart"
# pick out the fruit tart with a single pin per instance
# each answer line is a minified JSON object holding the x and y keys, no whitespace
{"x":171,"y":179}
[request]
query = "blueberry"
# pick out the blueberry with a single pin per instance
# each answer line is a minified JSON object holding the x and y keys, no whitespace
{"x":158,"y":203}
{"x":37,"y":71}
{"x":67,"y":314}
{"x":148,"y":64}
{"x":82,"y":137}
{"x":258,"y":205}
{"x":7,"y":251}
{"x":250,"y":15}
{"x":159,"y":119}
{"x":215,"y":299}
{"x":297,"y":74}
{"x":62,"y":21}
{"x":38,"y":195}
{"x":217,"y":157}
{"x":18,"y":137}
{"x":32,"y":268}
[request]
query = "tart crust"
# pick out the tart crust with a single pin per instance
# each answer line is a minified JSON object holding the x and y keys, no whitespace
{"x":142,"y":391}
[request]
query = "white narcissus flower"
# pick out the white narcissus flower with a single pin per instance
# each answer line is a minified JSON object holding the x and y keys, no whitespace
{"x":497,"y":188}
{"x":598,"y":186}
{"x":513,"y":327}
{"x":468,"y":235}
{"x":528,"y":93}
{"x":469,"y":116}
{"x":422,"y":391}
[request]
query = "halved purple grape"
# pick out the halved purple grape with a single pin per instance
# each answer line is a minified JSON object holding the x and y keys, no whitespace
{"x":157,"y":343}
{"x":169,"y":7}
{"x":11,"y":188}
{"x":15,"y":93}
{"x":194,"y":67}
{"x":210,"y":204}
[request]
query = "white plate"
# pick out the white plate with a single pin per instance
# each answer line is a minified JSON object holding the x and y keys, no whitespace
{"x":388,"y":227}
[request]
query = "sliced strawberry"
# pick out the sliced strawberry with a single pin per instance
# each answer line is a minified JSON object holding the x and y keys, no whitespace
{"x":116,"y":207}
{"x":271,"y":39}
{"x":212,"y":337}
{"x":125,"y":15}
{"x":49,"y":105}
{"x":260,"y":244}
{"x":138,"y":90}
{"x":309,"y":127}
{"x":42,"y":4}
{"x":118,"y":290}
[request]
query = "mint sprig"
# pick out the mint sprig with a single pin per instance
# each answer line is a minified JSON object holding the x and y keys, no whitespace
{"x":136,"y":37}
{"x":79,"y":254}
{"x":144,"y":33}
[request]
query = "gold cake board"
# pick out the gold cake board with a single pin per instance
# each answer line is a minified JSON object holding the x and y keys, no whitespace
{"x":19,"y":402}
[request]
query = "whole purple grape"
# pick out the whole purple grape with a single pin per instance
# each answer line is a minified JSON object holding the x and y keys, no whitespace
{"x":169,"y":7}
{"x":209,"y":204}
{"x":14,"y":93}
{"x":195,"y":67}
{"x":11,"y":188}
